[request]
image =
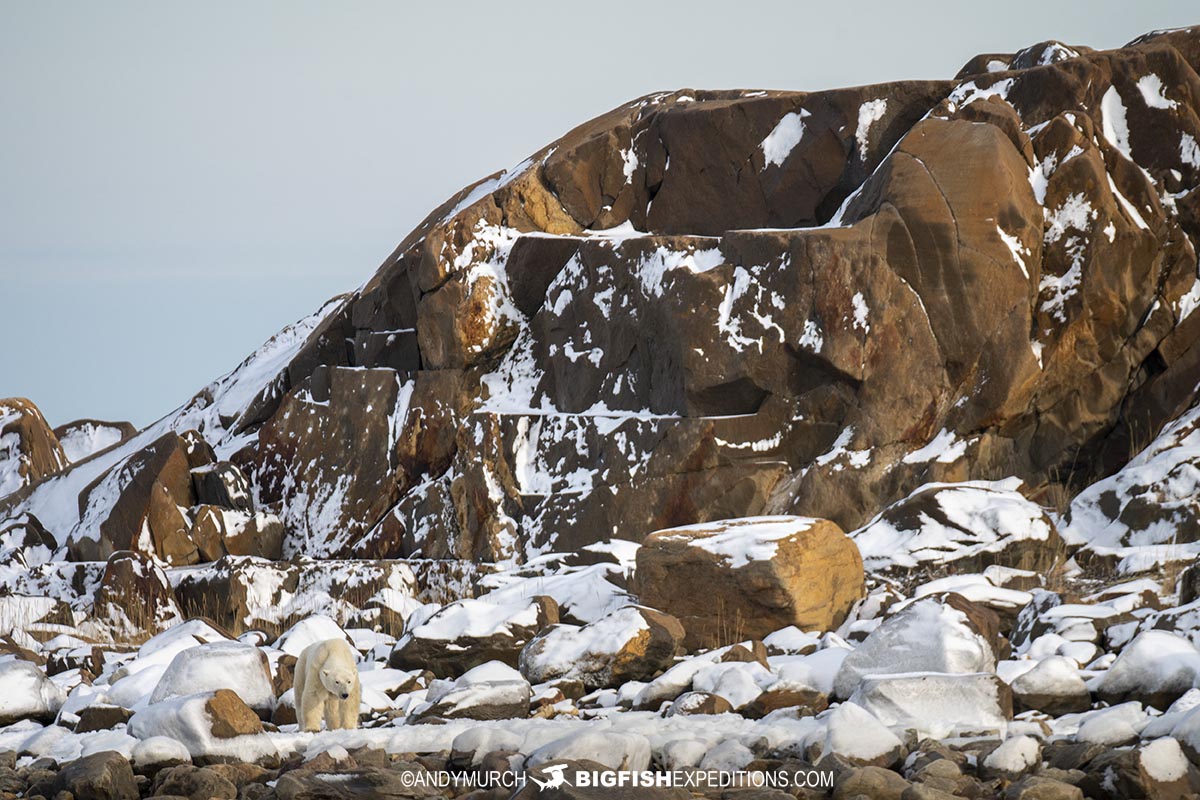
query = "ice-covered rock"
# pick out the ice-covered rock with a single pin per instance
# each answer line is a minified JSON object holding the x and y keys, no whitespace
{"x":927,"y":636}
{"x":27,"y":693}
{"x":1156,"y":668}
{"x":1014,"y":757}
{"x":632,"y":643}
{"x":1054,"y":686}
{"x":467,"y":633}
{"x":858,"y":736}
{"x":1113,"y":727}
{"x":967,"y":526}
{"x":937,"y":704}
{"x":750,"y":577}
{"x":220,"y":665}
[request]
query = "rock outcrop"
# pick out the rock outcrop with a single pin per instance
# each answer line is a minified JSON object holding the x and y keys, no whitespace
{"x":29,"y":450}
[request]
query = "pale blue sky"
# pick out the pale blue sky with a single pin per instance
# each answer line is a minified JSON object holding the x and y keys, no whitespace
{"x":180,"y":180}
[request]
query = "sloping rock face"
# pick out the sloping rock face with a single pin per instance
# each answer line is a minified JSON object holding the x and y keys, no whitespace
{"x":706,"y":305}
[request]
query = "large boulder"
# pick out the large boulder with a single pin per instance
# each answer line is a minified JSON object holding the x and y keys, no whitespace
{"x":1155,"y":669}
{"x":630,"y":644}
{"x":938,"y":704}
{"x":208,"y":724}
{"x":28,"y":693}
{"x":927,"y":636}
{"x":239,"y":667}
{"x":218,"y":532}
{"x":1053,"y":687}
{"x":467,"y":633}
{"x":106,"y":775}
{"x":29,"y":450}
{"x":742,"y":578}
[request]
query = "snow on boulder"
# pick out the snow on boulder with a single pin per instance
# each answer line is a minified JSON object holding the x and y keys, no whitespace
{"x":970,"y":525}
{"x":583,"y":593}
{"x":84,"y":438}
{"x":612,"y":749}
{"x":856,"y":735}
{"x":220,"y":665}
{"x":207,"y":724}
{"x":937,"y":704}
{"x":1113,"y":727}
{"x":467,"y":633}
{"x":1013,"y":758}
{"x":927,"y":636}
{"x":29,"y":450}
{"x":750,"y":577}
{"x":630,"y":644}
{"x":1155,"y":669}
{"x":1148,"y":503}
{"x":26,"y":693}
{"x":489,"y":691}
{"x":1054,"y":686}
{"x":159,"y":751}
{"x":694,"y":703}
{"x":1156,"y":769}
{"x":470,"y":746}
{"x":317,"y":628}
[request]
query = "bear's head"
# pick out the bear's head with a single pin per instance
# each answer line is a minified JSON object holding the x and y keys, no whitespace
{"x":338,"y":680}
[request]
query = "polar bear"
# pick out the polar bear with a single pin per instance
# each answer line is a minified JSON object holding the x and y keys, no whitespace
{"x":326,"y":684}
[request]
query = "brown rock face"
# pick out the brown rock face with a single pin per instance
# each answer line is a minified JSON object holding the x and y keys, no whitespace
{"x":29,"y":450}
{"x":746,"y":578}
{"x":230,"y":716}
{"x":139,"y":495}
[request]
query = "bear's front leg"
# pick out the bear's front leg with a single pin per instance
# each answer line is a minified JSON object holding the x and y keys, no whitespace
{"x":332,"y":714}
{"x":308,"y":711}
{"x":349,"y":710}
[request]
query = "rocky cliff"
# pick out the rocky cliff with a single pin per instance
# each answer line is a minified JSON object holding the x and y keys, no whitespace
{"x":704,"y":305}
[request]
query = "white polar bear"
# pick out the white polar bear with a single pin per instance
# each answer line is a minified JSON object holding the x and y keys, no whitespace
{"x":326,"y":684}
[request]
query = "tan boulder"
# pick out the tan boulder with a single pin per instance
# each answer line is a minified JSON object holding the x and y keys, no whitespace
{"x":730,"y":580}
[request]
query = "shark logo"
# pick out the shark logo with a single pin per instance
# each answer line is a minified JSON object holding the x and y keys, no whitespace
{"x":555,"y":778}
